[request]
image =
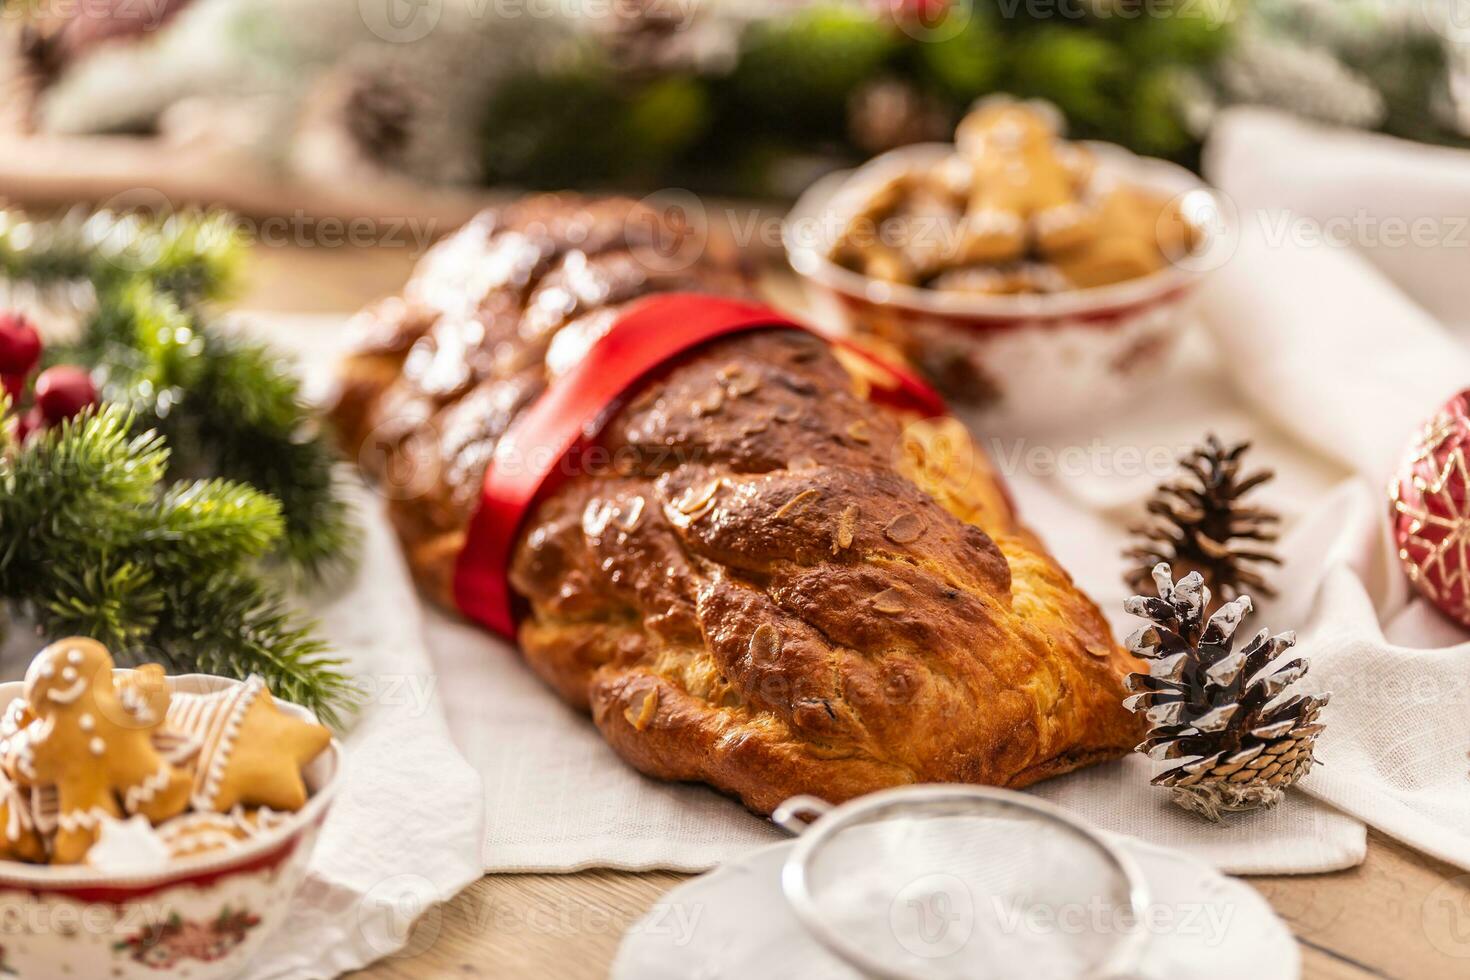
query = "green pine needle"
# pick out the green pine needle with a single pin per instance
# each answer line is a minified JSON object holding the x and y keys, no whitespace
{"x":240,"y":625}
{"x":117,"y":604}
{"x":212,"y":522}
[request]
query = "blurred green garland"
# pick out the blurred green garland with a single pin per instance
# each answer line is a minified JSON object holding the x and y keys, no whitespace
{"x":810,"y":87}
{"x":797,"y":82}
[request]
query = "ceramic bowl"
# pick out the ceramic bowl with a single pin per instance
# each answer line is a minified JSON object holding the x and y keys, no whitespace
{"x":202,"y":917}
{"x":1027,"y":359}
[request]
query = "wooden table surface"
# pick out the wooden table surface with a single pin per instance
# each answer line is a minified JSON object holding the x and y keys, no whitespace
{"x":1399,"y":914}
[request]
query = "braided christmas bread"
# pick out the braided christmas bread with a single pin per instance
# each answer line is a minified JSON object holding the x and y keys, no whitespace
{"x":760,"y":580}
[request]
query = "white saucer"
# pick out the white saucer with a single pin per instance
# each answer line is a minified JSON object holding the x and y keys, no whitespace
{"x":734,"y":924}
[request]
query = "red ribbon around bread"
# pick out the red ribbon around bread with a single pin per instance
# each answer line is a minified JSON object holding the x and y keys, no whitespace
{"x":528,"y":459}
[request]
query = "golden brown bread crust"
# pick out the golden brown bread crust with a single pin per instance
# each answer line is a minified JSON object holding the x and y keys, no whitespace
{"x":763,"y":581}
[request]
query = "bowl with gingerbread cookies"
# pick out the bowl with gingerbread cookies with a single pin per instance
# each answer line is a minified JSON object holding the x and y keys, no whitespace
{"x":1033,"y":278}
{"x":154,"y":825}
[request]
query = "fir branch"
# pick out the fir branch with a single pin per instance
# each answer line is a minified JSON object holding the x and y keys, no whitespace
{"x":229,"y":406}
{"x":94,"y":544}
{"x":240,"y":625}
{"x":116,"y":603}
{"x":251,"y":419}
{"x":212,"y":522}
{"x":87,"y":481}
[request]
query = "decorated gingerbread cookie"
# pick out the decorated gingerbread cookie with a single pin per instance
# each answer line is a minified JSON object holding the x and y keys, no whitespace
{"x":103,"y":766}
{"x":1024,"y":189}
{"x":251,"y":752}
{"x":94,"y":745}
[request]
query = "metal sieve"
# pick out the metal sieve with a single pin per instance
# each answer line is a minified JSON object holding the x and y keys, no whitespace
{"x":962,"y":883}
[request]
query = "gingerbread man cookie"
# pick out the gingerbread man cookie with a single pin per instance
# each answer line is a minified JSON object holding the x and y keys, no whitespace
{"x":250,"y":752}
{"x":1024,"y":187}
{"x":95,"y":746}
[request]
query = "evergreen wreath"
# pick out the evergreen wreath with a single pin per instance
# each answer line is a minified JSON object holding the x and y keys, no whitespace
{"x":151,"y":522}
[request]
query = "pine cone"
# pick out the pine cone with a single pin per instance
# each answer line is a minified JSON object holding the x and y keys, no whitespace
{"x":378,"y":115}
{"x":1215,"y":706}
{"x":1199,"y":524}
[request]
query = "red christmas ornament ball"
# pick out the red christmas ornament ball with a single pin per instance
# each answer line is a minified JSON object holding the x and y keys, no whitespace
{"x":20,"y":346}
{"x":63,"y":391}
{"x":1429,"y":502}
{"x":15,"y":386}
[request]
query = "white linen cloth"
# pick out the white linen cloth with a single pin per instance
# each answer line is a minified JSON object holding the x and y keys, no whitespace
{"x":1318,"y":342}
{"x":404,"y":832}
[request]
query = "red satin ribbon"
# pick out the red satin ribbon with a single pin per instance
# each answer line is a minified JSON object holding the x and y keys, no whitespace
{"x":528,"y":460}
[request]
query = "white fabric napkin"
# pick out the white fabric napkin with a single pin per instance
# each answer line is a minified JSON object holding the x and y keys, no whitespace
{"x":1404,"y":206}
{"x":405,"y":830}
{"x":1318,"y":341}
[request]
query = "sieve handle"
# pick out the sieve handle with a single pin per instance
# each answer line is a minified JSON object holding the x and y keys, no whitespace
{"x":792,"y":815}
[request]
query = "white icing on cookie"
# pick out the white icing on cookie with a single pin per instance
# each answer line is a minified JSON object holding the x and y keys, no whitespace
{"x":215,"y":720}
{"x":45,"y":808}
{"x":18,"y":817}
{"x":135,"y":704}
{"x":67,"y":695}
{"x":135,"y":796}
{"x":176,"y":748}
{"x":74,"y":820}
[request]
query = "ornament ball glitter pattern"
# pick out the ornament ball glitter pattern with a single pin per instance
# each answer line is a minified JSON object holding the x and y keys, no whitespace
{"x":1427,"y":510}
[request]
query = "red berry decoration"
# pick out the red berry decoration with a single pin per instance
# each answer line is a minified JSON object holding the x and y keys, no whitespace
{"x":20,"y":346}
{"x":63,"y":391}
{"x":1430,"y":510}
